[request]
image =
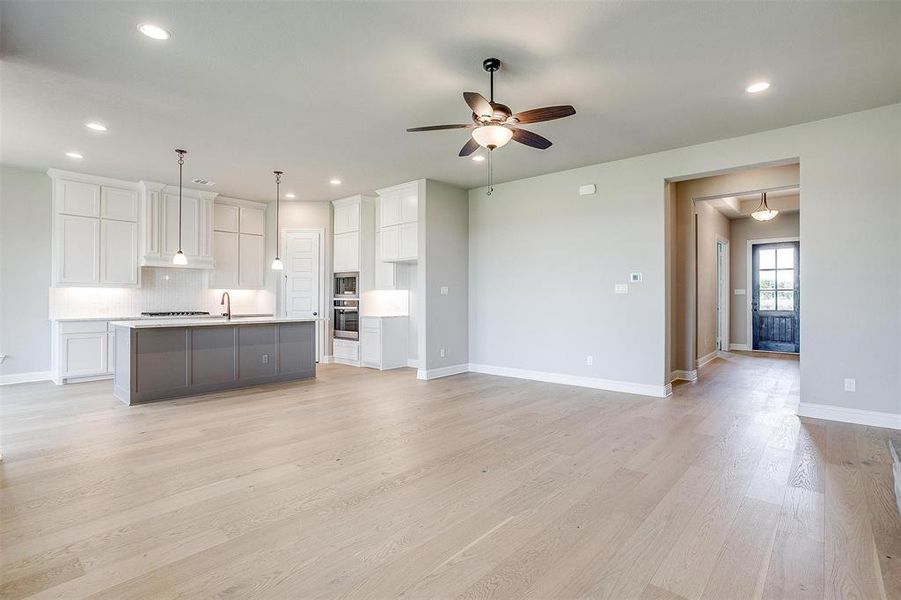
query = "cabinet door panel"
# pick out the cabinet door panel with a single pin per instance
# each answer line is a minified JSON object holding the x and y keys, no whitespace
{"x":370,"y":347}
{"x":190,"y":225}
{"x":347,"y":251}
{"x":347,"y":218}
{"x":389,"y":210}
{"x":84,"y":354}
{"x":79,"y":250}
{"x":119,"y":204}
{"x":408,"y":241}
{"x":119,"y":252}
{"x":225,"y":217}
{"x":250,"y":261}
{"x":225,"y":254}
{"x":253,"y":221}
{"x":389,"y":243}
{"x":78,"y":198}
{"x":409,"y":207}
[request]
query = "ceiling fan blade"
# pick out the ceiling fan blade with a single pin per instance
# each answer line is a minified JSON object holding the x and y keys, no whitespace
{"x":439,"y":127}
{"x":478,"y":104}
{"x":469,"y":147}
{"x":530,"y":139}
{"x":548,"y":113}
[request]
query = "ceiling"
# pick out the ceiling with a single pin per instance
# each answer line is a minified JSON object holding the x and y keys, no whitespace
{"x":326,"y":89}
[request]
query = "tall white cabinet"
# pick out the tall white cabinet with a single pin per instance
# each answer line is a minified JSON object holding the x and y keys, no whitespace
{"x":95,"y":231}
{"x":399,"y":222}
{"x":239,"y":244}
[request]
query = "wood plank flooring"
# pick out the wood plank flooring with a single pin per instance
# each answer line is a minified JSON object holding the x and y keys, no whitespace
{"x":363,"y":484}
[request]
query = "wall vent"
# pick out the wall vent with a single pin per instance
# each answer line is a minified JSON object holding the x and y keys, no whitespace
{"x":200,"y":181}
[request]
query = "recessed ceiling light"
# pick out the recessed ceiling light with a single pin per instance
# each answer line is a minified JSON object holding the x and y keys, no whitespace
{"x":95,"y":126}
{"x":154,"y":32}
{"x":74,"y":155}
{"x":335,"y":181}
{"x":478,"y":158}
{"x":757,"y":87}
{"x":290,"y":196}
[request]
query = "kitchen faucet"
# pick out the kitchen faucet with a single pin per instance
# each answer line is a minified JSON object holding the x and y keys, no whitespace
{"x":228,"y":307}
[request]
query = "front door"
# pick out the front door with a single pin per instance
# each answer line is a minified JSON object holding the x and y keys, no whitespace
{"x":775,"y":305}
{"x":302,"y":278}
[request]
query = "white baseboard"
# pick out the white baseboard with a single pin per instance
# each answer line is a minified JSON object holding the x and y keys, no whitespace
{"x":684,"y":375}
{"x":744,"y":347}
{"x":24,"y":377}
{"x":706,"y":359}
{"x":850,"y":415}
{"x":344,"y":361}
{"x":324,"y":360}
{"x":413,"y":363}
{"x":642,"y":389}
{"x":441,"y":372}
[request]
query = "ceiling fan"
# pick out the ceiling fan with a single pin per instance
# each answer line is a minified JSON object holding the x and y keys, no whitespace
{"x":494,"y":124}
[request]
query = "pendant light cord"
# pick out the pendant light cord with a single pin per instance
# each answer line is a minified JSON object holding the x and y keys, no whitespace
{"x":278,"y":180}
{"x":181,"y":162}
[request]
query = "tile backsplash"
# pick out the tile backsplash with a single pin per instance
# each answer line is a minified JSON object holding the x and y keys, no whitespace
{"x":161,"y":289}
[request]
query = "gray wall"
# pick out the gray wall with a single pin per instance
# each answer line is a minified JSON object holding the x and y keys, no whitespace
{"x":25,"y":225}
{"x":543,"y":260}
{"x":444,"y":237}
{"x":783,"y":226}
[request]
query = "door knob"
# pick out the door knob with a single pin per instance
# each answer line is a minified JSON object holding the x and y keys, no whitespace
{"x":315,"y":314}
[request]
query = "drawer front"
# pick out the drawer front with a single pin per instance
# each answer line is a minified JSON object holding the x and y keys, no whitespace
{"x":346,"y":350}
{"x":83,"y":327}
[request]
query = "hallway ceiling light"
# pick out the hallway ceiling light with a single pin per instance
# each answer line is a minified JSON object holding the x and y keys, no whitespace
{"x":290,"y":196}
{"x":764,"y":212}
{"x":757,"y":87}
{"x":154,"y":32}
{"x":277,"y":263}
{"x":335,"y":181}
{"x":74,"y":155}
{"x":95,"y":126}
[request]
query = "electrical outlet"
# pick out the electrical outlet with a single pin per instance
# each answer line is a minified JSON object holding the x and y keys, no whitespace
{"x":589,"y":360}
{"x":265,"y":359}
{"x":850,"y":385}
{"x":621,"y":288}
{"x":442,"y":353}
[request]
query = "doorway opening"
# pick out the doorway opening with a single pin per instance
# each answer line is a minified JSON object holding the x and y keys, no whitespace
{"x":733,"y":280}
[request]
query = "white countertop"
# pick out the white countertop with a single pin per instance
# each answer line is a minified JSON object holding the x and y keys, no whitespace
{"x":205,"y":322}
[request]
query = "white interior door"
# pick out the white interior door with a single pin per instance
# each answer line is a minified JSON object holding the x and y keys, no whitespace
{"x":302,"y":278}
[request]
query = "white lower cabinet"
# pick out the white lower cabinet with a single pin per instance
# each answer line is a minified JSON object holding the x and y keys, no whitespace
{"x":82,"y":350}
{"x":383,"y":342}
{"x":346,"y":352}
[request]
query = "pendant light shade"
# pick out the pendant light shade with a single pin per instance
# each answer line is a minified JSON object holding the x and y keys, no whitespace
{"x":180,"y":259}
{"x":277,"y":263}
{"x":764,"y":212}
{"x":492,"y":136}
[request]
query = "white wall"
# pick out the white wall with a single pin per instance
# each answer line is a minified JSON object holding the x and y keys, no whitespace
{"x":543,"y":260}
{"x":25,"y":224}
{"x":785,"y":225}
{"x":443,"y":262}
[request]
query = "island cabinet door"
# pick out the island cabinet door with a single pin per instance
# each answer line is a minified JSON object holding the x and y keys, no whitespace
{"x":256,"y":351}
{"x":213,"y":355}
{"x":297,"y":349}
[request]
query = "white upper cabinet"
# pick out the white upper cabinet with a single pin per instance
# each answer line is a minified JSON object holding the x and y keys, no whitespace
{"x":118,"y":204}
{"x":77,"y":242}
{"x":398,"y":222}
{"x":118,"y":253}
{"x":347,"y":251}
{"x":160,"y":230}
{"x":239,"y":244}
{"x":95,"y":230}
{"x":78,"y":198}
{"x":347,"y":217}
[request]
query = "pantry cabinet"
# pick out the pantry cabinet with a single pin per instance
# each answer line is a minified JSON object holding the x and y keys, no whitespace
{"x":399,"y":223}
{"x":354,"y":240}
{"x":95,"y":231}
{"x":239,"y":244}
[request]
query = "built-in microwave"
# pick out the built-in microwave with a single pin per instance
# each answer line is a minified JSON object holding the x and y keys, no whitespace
{"x":347,"y":285}
{"x":347,"y":318}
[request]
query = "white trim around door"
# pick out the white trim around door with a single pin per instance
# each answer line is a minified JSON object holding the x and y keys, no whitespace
{"x":322,"y":326}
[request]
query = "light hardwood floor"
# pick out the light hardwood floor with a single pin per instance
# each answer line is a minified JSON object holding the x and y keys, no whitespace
{"x":375,"y":485}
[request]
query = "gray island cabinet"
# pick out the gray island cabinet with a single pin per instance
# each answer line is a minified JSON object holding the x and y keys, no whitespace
{"x":167,"y":359}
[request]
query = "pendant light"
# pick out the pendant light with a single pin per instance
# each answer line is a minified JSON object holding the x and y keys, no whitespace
{"x":180,"y":258}
{"x":764,"y":212}
{"x":277,"y":263}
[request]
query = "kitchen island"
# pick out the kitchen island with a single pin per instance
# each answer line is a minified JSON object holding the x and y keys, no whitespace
{"x":172,"y":358}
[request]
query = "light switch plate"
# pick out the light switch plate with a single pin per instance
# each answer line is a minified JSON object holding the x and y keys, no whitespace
{"x":635,"y":277}
{"x":739,"y":292}
{"x":444,"y":290}
{"x":621,"y":288}
{"x":850,"y":385}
